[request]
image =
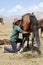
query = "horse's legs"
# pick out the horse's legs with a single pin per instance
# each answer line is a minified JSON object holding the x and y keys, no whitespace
{"x":41,"y":31}
{"x":37,"y":39}
{"x":23,"y":41}
{"x":33,"y":40}
{"x":36,"y":35}
{"x":21,"y":44}
{"x":28,"y":43}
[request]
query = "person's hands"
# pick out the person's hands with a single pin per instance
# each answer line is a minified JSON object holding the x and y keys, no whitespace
{"x":25,"y":32}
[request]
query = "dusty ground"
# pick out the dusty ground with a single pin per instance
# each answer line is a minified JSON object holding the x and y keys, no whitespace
{"x":24,"y":58}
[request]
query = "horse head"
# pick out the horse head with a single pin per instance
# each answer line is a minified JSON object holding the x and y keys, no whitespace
{"x":1,"y":21}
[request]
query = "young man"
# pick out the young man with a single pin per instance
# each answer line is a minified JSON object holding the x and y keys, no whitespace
{"x":14,"y":38}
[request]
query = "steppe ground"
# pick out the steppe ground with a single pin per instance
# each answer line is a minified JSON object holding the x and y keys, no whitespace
{"x":24,"y":58}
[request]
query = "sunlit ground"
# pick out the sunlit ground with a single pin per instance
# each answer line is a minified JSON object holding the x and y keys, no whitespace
{"x":24,"y":58}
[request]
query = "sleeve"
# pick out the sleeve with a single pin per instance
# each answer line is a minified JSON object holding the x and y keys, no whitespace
{"x":19,"y":29}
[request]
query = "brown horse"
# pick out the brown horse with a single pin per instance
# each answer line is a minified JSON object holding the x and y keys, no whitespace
{"x":1,"y":21}
{"x":25,"y":24}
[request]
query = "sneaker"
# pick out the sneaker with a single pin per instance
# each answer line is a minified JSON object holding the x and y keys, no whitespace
{"x":21,"y":50}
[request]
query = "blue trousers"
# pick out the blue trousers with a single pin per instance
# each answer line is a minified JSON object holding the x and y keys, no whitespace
{"x":14,"y":48}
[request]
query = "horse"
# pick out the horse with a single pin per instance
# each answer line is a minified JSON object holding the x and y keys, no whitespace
{"x":26,"y":24}
{"x":1,"y":21}
{"x":28,"y":21}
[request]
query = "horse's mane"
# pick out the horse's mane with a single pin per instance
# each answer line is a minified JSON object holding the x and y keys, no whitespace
{"x":30,"y":14}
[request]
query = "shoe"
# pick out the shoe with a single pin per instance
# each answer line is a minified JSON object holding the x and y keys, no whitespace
{"x":21,"y":50}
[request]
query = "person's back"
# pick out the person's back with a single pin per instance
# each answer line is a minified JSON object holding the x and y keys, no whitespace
{"x":15,"y":33}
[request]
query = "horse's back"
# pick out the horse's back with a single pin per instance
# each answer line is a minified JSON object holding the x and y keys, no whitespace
{"x":26,"y":22}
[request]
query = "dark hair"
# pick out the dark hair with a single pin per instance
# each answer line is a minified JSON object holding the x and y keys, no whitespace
{"x":13,"y":23}
{"x":17,"y":22}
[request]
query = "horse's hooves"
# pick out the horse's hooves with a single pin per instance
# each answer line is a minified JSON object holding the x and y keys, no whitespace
{"x":39,"y":52}
{"x":36,"y":49}
{"x":27,"y":47}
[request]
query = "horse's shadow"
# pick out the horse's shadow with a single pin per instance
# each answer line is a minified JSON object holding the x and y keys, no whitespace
{"x":32,"y":49}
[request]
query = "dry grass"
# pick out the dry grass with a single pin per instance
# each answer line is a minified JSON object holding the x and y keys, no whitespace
{"x":24,"y":58}
{"x":5,"y":31}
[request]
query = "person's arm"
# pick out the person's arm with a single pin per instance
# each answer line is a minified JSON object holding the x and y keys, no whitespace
{"x":21,"y":31}
{"x":25,"y":32}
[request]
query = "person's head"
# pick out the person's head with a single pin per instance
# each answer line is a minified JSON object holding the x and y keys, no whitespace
{"x":17,"y":22}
